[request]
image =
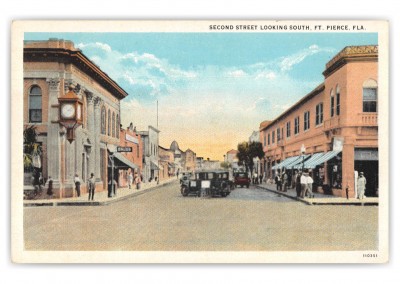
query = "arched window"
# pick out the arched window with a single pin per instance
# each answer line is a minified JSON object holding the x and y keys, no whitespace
{"x":332,"y":103}
{"x":337,"y":100}
{"x":117,"y":126}
{"x":35,"y":104}
{"x":370,"y":96}
{"x":113,"y":125}
{"x":103,"y":120}
{"x":109,"y":123}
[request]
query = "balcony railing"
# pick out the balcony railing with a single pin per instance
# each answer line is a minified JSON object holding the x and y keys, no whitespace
{"x":331,"y":123}
{"x":368,"y":119}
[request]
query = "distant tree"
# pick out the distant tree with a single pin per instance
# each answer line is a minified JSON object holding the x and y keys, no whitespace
{"x":225,"y":165}
{"x":247,"y":152}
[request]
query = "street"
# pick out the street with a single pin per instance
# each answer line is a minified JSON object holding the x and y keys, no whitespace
{"x":162,"y":219}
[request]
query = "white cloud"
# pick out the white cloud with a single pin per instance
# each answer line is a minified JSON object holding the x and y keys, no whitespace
{"x":237,"y":73}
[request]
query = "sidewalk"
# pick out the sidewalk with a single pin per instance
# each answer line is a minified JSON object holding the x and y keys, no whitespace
{"x":321,"y":199}
{"x":100,"y":198}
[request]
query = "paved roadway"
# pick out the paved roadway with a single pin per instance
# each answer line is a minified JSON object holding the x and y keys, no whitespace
{"x":162,"y":219}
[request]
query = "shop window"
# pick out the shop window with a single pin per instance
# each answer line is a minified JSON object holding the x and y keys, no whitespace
{"x":337,"y":100}
{"x":332,"y":103}
{"x":35,"y":104}
{"x":296,"y":125}
{"x":306,"y":120}
{"x":103,"y":120}
{"x":370,"y":95}
{"x":288,"y":129}
{"x":319,"y":114}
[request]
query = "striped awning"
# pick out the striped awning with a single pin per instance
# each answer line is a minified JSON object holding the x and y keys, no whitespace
{"x":326,"y":157}
{"x":285,"y":162}
{"x":297,"y":161}
{"x":309,"y":162}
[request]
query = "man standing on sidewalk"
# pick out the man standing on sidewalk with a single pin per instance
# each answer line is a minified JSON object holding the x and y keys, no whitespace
{"x":77,"y":182}
{"x":361,"y":184}
{"x":278,"y":182}
{"x":303,"y":184}
{"x":91,"y":186}
{"x":310,"y":182}
{"x":284,"y":180}
{"x":298,"y":183}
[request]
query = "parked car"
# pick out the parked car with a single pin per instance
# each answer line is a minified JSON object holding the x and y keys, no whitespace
{"x":211,"y":183}
{"x":242,"y":179}
{"x":185,"y":177}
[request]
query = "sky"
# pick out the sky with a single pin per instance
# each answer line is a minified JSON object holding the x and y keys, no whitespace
{"x":213,"y":89}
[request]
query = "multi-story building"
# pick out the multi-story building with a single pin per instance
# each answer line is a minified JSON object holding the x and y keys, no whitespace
{"x":50,"y":68}
{"x":183,"y":160}
{"x":167,"y":168}
{"x":151,"y":164}
{"x":232,"y":159}
{"x":333,"y":130}
{"x":131,"y":152}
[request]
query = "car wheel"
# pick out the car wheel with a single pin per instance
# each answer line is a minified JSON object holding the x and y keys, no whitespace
{"x":248,"y":185}
{"x":184,"y":191}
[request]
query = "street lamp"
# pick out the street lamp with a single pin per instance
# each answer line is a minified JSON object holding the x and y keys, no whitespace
{"x":302,"y":150}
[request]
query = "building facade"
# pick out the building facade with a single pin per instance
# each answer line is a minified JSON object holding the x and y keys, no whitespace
{"x":151,"y":164}
{"x":232,"y":159}
{"x":184,"y":161}
{"x":333,"y":130}
{"x":166,"y":163}
{"x":50,"y":68}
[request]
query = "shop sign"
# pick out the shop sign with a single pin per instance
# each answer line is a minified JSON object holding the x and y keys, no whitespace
{"x":124,"y":149}
{"x":131,"y":139}
{"x":337,"y":144}
{"x":366,"y":155}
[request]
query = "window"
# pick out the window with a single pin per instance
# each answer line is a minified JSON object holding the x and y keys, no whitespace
{"x":337,"y":100}
{"x":306,"y":120}
{"x":117,"y":126}
{"x":35,"y":104}
{"x":319,"y":114}
{"x":269,"y":138}
{"x":288,"y":129}
{"x":273,"y":137}
{"x":296,"y":125}
{"x":278,"y":134}
{"x":265,"y":139}
{"x":332,"y":103}
{"x":109,"y":123}
{"x":137,"y":150}
{"x":113,"y":125}
{"x":103,"y":120}
{"x":370,"y":94}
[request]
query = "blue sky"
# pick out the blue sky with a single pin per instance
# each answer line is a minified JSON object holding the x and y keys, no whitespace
{"x":213,"y":89}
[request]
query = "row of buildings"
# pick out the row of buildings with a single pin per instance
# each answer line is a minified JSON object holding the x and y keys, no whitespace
{"x":333,"y":130}
{"x":101,"y":145}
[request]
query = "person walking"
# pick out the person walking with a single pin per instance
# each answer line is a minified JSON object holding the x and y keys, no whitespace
{"x":361,"y":184}
{"x":91,"y":186}
{"x":298,"y":183}
{"x":284,"y":180}
{"x":261,"y":178}
{"x":278,"y":182}
{"x":138,"y":182}
{"x":50,"y":186}
{"x":77,"y":182}
{"x":303,"y":184}
{"x":130,"y":180}
{"x":309,"y":183}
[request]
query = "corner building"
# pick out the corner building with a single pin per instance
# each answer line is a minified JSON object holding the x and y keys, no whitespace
{"x":333,"y":130}
{"x":50,"y":67}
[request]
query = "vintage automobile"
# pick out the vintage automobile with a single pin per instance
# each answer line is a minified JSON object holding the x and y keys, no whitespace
{"x":210,"y":183}
{"x":185,"y":177}
{"x":242,"y":179}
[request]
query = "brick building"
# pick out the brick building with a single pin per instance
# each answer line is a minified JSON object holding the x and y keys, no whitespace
{"x":333,"y":130}
{"x":50,"y":67}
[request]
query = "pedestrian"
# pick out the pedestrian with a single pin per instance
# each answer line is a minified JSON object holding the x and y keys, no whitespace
{"x":91,"y":186}
{"x":255,"y":179}
{"x":278,"y":182}
{"x":138,"y":182}
{"x":115,"y":184}
{"x":50,"y":186}
{"x":130,"y":180}
{"x":303,"y":184}
{"x":361,"y":184}
{"x":77,"y":182}
{"x":309,"y":183}
{"x":298,"y":183}
{"x":284,"y":179}
{"x":261,"y":178}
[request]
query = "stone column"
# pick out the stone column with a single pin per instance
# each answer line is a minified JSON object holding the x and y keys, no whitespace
{"x":348,"y":168}
{"x":53,"y":134}
{"x":96,"y":142}
{"x":91,"y":129}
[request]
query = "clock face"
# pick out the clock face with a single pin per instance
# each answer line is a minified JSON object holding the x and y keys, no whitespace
{"x":68,"y":110}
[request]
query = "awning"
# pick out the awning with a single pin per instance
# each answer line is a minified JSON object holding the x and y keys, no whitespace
{"x":153,"y":166}
{"x":120,"y":161}
{"x":325,"y":157}
{"x":284,"y":163}
{"x":308,"y":164}
{"x":297,"y":161}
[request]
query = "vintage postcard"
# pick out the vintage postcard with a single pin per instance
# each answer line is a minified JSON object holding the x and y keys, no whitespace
{"x":200,"y":141}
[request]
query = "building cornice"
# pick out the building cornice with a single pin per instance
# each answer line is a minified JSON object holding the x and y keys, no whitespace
{"x":78,"y":59}
{"x":351,"y":54}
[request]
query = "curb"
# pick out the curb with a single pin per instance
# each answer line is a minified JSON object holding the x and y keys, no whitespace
{"x":95,"y":203}
{"x":314,"y":202}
